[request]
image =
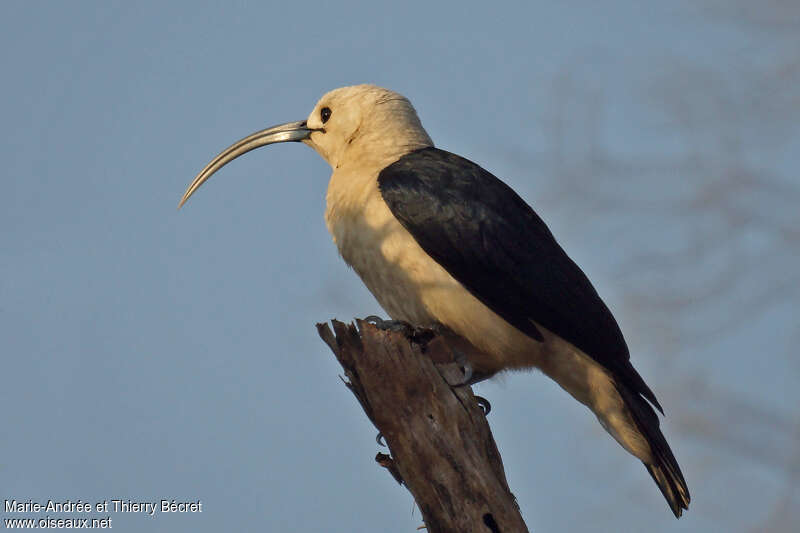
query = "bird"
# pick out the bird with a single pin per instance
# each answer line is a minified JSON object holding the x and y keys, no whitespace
{"x":438,"y":240}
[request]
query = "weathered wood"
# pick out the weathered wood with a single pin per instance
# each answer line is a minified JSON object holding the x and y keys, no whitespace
{"x":441,"y":446}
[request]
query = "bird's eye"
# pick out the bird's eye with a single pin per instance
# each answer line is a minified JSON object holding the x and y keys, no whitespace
{"x":325,"y":114}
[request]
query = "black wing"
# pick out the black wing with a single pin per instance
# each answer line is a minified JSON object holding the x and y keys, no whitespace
{"x":494,"y":244}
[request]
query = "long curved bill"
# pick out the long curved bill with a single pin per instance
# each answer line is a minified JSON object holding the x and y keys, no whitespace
{"x":289,"y":132}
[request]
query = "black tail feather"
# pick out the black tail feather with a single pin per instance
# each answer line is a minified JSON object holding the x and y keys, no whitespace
{"x":664,"y":470}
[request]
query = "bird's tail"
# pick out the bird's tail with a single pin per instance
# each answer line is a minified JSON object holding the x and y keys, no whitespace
{"x":664,"y":469}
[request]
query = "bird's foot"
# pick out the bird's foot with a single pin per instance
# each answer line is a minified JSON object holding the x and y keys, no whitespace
{"x":470,"y":377}
{"x":419,"y":334}
{"x":466,"y":367}
{"x":390,"y":325}
{"x":423,"y":335}
{"x":379,"y":439}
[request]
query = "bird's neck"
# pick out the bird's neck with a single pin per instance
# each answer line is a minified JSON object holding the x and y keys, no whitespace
{"x":350,"y":190}
{"x":376,"y":150}
{"x":353,"y":200}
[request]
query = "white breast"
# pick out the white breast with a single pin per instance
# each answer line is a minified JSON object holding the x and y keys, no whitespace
{"x":404,"y":279}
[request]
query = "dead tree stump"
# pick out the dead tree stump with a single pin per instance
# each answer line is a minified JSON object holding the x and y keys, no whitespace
{"x":441,"y":446}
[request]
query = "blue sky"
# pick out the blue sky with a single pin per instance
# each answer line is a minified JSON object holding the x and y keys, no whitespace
{"x":152,"y":353}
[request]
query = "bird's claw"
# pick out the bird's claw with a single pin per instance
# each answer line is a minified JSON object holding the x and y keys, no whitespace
{"x":484,"y":404}
{"x":470,"y":378}
{"x":379,"y":439}
{"x":388,"y":325}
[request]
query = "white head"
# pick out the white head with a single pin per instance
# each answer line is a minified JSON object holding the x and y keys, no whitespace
{"x":364,"y":121}
{"x":361,"y":124}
